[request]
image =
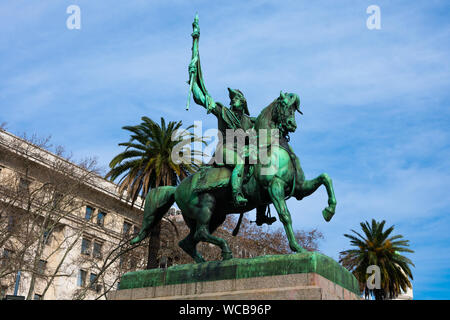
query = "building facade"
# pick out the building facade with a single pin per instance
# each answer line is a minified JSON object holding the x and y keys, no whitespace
{"x":62,"y":226}
{"x":65,"y":230}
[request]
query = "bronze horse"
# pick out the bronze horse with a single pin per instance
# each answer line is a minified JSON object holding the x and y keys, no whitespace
{"x":279,"y":178}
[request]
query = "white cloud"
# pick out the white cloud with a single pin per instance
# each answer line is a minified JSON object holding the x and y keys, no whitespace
{"x":375,"y":102}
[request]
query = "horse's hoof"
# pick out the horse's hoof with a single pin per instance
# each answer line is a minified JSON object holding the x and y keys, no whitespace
{"x":328,"y":213}
{"x":135,"y":240}
{"x":227,"y":255}
{"x":199,"y":259}
{"x":295,"y":247}
{"x":298,"y":249}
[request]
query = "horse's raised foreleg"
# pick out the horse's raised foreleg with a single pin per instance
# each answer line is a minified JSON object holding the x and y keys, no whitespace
{"x":277,"y":195}
{"x":310,"y":186}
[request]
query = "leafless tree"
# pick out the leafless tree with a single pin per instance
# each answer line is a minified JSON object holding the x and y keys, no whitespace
{"x":121,"y":258}
{"x":114,"y":260}
{"x":251,"y":241}
{"x":37,"y":199}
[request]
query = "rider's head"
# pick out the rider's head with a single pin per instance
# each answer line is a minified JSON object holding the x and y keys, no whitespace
{"x":238,"y":101}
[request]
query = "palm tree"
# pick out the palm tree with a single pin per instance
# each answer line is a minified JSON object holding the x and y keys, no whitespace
{"x":147,"y":163}
{"x":380,"y":249}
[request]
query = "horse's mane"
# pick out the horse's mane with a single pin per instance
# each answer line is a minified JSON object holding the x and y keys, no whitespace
{"x":264,"y":120}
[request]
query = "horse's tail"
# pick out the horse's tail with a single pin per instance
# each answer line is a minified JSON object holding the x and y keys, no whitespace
{"x":157,"y":203}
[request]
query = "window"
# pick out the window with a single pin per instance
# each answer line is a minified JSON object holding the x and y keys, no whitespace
{"x":11,"y":222}
{"x":3,"y":290}
{"x":47,"y":237}
{"x":121,"y":261}
{"x":126,"y":227}
{"x":86,"y":246}
{"x":92,"y":284}
{"x":82,"y":278}
{"x":92,"y":279}
{"x":97,"y":250}
{"x":57,"y":199}
{"x":42,"y":264}
{"x":7,"y":254}
{"x":136,"y":231}
{"x":37,"y":296}
{"x":89,"y":212}
{"x":24,"y":185}
{"x":101,"y":218}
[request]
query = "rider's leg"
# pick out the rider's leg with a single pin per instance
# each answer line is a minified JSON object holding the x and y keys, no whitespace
{"x":236,"y":184}
{"x":235,"y":161}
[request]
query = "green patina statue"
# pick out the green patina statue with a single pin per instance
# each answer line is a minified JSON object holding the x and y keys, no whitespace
{"x":243,"y":176}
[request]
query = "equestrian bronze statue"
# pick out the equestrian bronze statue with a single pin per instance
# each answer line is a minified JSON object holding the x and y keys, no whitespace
{"x":244,"y":175}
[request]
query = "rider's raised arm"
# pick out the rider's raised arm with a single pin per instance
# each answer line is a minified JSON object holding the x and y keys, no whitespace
{"x":200,"y":94}
{"x":197,"y":84}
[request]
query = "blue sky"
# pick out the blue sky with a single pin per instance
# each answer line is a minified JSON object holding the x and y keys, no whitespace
{"x":375,"y":102}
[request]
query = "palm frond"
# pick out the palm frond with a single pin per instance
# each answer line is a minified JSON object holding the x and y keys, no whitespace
{"x":378,"y":247}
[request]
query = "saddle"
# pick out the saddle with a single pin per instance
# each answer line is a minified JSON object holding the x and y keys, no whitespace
{"x":213,"y":177}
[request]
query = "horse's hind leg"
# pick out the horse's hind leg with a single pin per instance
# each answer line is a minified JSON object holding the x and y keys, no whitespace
{"x":189,"y":243}
{"x":203,"y":233}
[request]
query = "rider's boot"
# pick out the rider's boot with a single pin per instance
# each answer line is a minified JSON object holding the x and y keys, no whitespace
{"x":236,"y":185}
{"x":262,"y":218}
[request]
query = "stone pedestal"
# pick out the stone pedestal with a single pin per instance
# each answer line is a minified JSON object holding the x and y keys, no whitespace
{"x":304,"y":276}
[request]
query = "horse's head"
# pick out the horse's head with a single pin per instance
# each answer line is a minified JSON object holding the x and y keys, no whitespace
{"x":283,"y":114}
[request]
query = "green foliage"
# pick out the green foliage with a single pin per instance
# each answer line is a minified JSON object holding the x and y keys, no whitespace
{"x":147,"y":160}
{"x":378,"y":247}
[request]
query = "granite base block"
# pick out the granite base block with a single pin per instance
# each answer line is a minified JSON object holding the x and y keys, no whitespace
{"x":304,"y":276}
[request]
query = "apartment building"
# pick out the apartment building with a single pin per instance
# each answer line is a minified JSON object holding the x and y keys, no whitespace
{"x":61,"y":226}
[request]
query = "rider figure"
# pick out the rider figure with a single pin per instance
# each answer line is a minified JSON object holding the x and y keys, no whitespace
{"x":236,"y":117}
